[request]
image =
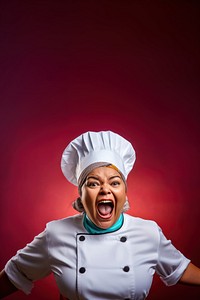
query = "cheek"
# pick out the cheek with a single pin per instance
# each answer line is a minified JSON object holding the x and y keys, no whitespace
{"x":88,"y":200}
{"x":121,"y":199}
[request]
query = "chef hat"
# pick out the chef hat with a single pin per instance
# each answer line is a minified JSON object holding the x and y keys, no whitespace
{"x":96,"y":147}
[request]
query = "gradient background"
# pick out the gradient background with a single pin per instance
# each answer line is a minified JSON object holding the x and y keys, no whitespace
{"x":128,"y":66}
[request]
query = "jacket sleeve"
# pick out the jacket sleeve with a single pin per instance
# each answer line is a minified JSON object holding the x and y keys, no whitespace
{"x":29,"y":264}
{"x":171,"y":262}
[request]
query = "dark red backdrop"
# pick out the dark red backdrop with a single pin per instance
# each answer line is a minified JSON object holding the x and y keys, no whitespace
{"x":72,"y":66}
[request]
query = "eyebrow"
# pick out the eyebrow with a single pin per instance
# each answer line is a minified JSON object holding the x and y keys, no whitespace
{"x":93,"y":177}
{"x":118,"y":176}
{"x":97,"y":177}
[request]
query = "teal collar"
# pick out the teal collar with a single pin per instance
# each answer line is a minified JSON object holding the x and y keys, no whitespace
{"x":93,"y":229}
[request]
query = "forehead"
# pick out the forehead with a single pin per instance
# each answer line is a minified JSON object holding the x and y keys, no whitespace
{"x":104,"y":171}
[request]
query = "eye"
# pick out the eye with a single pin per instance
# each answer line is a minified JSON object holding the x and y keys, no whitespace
{"x":92,"y":183}
{"x":115,"y":183}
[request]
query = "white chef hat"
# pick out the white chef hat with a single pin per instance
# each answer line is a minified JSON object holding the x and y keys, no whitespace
{"x":92,"y":148}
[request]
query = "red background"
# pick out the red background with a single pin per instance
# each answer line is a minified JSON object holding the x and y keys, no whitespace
{"x":127,"y":66}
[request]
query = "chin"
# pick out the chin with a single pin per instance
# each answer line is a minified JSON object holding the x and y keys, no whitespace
{"x":105,"y":224}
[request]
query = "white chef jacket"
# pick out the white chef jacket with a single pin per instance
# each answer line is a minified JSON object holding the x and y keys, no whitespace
{"x":117,"y":265}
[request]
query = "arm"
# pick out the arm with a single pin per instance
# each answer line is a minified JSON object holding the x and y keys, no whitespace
{"x":29,"y":264}
{"x":191,"y":276}
{"x":6,"y":287}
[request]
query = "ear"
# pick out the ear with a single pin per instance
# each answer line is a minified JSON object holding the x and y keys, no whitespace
{"x":77,"y":205}
{"x":126,"y":205}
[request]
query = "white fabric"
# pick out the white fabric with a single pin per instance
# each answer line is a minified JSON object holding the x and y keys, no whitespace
{"x":92,"y":147}
{"x":60,"y":250}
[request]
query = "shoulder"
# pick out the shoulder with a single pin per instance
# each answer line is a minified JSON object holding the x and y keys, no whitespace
{"x":140,"y":222}
{"x":148,"y":229}
{"x":72,"y":224}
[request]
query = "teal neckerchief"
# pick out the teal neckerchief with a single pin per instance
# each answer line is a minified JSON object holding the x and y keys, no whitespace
{"x":93,"y":229}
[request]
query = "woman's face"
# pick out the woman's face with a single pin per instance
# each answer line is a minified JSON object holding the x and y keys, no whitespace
{"x":103,"y":196}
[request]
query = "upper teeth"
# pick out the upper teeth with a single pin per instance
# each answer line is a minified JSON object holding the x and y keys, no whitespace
{"x":105,"y":201}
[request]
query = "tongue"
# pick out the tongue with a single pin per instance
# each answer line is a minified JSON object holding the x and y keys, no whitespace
{"x":104,"y":209}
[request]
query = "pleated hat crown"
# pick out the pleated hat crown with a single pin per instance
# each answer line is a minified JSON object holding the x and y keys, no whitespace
{"x":96,"y":147}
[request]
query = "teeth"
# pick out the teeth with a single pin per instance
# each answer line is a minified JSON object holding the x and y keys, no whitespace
{"x":105,"y":201}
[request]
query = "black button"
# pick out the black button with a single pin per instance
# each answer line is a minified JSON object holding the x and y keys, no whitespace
{"x":123,"y":239}
{"x":82,"y":270}
{"x":81,"y":238}
{"x":126,"y":269}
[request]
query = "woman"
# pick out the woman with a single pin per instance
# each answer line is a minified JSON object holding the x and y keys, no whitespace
{"x":102,"y":242}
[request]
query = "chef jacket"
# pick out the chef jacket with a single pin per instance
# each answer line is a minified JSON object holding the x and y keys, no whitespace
{"x":117,"y":265}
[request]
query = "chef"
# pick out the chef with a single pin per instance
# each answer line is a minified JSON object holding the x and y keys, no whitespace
{"x":102,"y":252}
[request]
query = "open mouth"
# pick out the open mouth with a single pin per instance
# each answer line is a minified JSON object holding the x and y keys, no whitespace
{"x":105,"y":208}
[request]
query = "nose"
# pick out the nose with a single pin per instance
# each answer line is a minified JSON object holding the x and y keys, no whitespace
{"x":104,"y":190}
